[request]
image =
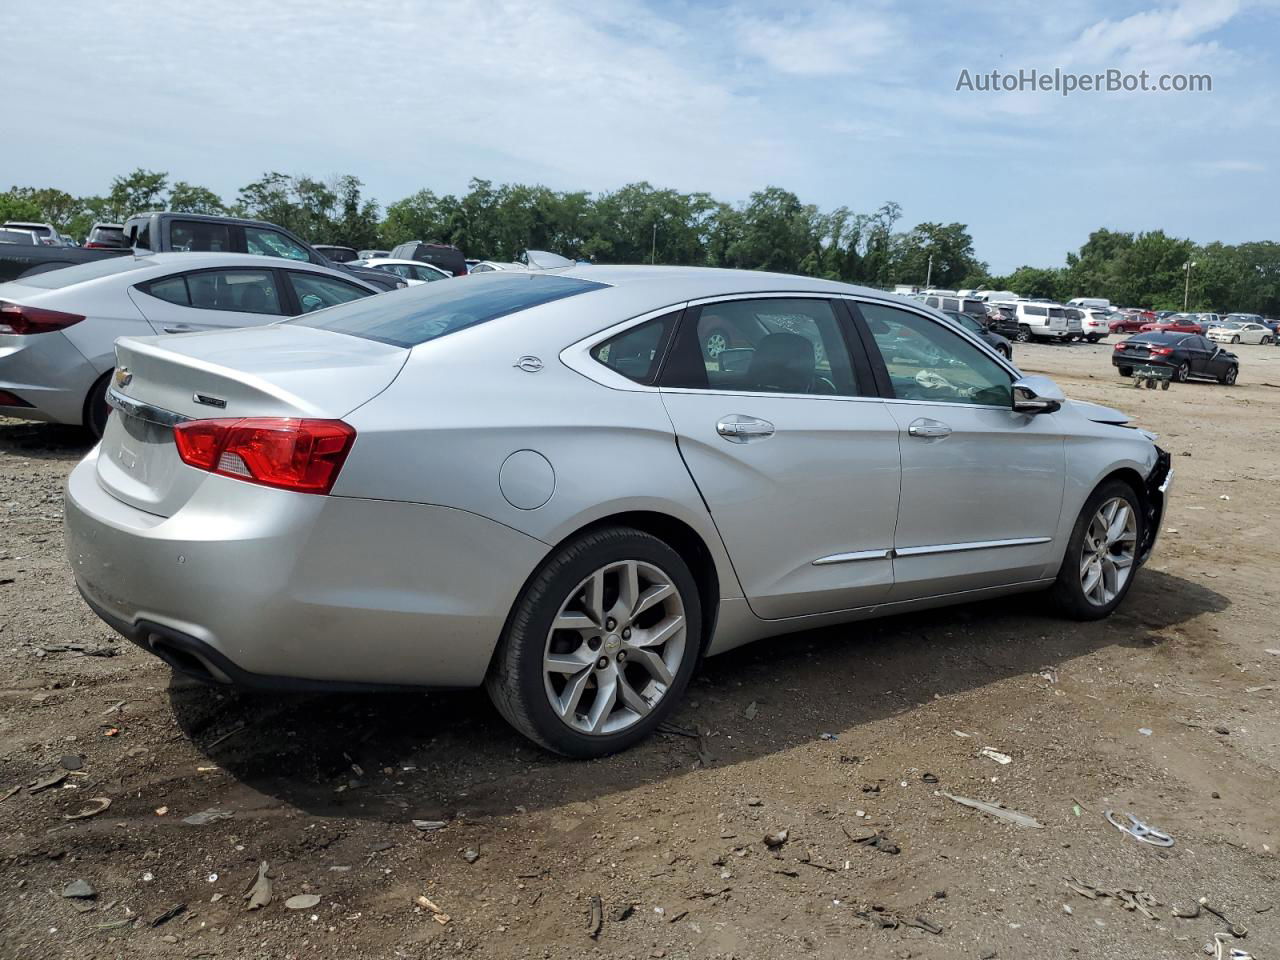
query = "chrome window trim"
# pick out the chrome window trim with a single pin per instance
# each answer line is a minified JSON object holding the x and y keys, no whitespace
{"x":970,"y":545}
{"x":144,"y":411}
{"x":853,"y":557}
{"x":577,"y":356}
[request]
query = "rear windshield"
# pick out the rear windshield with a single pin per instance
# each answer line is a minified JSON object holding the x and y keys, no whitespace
{"x":80,"y":272}
{"x":423,"y":313}
{"x":1160,"y":338}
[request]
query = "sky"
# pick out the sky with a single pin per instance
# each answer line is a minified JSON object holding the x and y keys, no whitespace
{"x":848,"y":104}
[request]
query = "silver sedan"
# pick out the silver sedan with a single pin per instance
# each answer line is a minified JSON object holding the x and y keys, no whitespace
{"x":543,"y":483}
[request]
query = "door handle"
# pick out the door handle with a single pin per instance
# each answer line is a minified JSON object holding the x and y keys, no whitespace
{"x":180,"y":328}
{"x":737,"y":428}
{"x":928,"y":429}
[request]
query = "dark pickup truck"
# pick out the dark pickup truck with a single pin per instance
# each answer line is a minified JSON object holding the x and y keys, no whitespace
{"x":164,"y":232}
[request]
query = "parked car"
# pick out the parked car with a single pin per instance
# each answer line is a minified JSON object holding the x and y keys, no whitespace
{"x":46,"y":233}
{"x":1095,"y":323}
{"x":1097,"y":303}
{"x":442,"y":255}
{"x":413,"y":271}
{"x":1128,"y":322}
{"x":1039,"y":320}
{"x":1235,"y":331}
{"x":970,"y":305}
{"x":1178,"y":323}
{"x":106,"y":236}
{"x":437,"y":436}
{"x":164,"y":231}
{"x":22,"y":238}
{"x":488,"y":266}
{"x":337,"y":254}
{"x":1075,"y":323}
{"x":1188,"y":354}
{"x":57,"y":328}
{"x":966,"y":321}
{"x":374,"y":254}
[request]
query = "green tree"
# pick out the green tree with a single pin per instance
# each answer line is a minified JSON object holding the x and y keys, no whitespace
{"x":188,"y":198}
{"x":136,"y":192}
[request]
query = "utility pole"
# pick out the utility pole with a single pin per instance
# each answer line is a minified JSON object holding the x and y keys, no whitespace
{"x":928,"y":277}
{"x":653,"y":250}
{"x":1186,"y":289}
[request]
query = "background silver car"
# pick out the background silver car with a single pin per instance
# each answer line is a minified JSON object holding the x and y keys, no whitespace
{"x":541,"y":481}
{"x":58,"y":329}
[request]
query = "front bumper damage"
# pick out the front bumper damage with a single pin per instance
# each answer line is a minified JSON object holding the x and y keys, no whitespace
{"x":1159,"y":480}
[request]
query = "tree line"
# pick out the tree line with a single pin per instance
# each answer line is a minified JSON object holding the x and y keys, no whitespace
{"x":640,"y":223}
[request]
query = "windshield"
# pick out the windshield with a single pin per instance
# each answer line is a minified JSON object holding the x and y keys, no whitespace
{"x":432,"y":310}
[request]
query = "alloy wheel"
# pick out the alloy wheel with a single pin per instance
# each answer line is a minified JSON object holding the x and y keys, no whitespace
{"x":1183,"y":372}
{"x":1109,"y":550}
{"x":715,"y":344}
{"x":615,"y":647}
{"x":1232,"y":373}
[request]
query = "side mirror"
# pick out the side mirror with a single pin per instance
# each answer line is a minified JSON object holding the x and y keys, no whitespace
{"x":1035,"y":394}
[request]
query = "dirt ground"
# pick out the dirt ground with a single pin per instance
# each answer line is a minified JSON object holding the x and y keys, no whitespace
{"x":1167,"y":710}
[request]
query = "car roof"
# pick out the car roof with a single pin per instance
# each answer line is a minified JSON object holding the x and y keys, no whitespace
{"x":696,"y":282}
{"x":409,"y":263}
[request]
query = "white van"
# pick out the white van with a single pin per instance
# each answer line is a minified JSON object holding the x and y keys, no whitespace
{"x":957,"y":304}
{"x":996,"y":296}
{"x":1097,"y":303}
{"x":1039,"y":320}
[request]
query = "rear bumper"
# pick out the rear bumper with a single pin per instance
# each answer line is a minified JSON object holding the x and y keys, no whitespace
{"x":48,"y":372}
{"x":265,"y":588}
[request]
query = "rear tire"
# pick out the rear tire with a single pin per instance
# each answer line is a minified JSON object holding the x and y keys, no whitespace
{"x":1024,"y":333}
{"x":96,"y":409}
{"x":1126,"y":371}
{"x":1235,"y":339}
{"x":1086,"y":551}
{"x":599,"y":637}
{"x":1183,"y":373}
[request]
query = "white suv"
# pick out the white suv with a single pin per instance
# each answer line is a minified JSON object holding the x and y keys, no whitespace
{"x":1039,"y":320}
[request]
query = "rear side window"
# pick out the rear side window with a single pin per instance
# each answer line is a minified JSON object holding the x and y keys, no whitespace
{"x":197,"y":236}
{"x":241,"y":291}
{"x":433,"y":310}
{"x":1037,"y":311}
{"x":170,"y":289}
{"x":637,"y":353}
{"x":950,"y":303}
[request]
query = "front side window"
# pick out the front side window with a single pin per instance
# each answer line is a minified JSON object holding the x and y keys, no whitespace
{"x":270,"y":243}
{"x":637,"y":352}
{"x":315,"y":292}
{"x":190,"y":236}
{"x":426,"y":273}
{"x":926,"y":361}
{"x":240,"y":291}
{"x":784,"y":345}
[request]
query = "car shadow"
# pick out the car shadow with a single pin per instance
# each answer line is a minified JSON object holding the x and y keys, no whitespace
{"x":392,"y":757}
{"x":44,"y":441}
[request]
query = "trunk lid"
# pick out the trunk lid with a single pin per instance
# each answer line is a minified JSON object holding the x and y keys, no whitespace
{"x":274,"y":371}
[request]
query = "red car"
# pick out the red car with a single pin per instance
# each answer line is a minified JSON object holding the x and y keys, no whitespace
{"x":1183,"y":324}
{"x":1130,"y":323}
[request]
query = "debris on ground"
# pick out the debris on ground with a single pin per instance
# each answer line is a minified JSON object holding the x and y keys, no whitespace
{"x":96,"y":806}
{"x":775,"y":840}
{"x":44,"y":783}
{"x":71,"y":762}
{"x":996,"y":755}
{"x":438,"y":915}
{"x":471,"y":854}
{"x":207,"y":816}
{"x":991,"y":810}
{"x":1131,"y":898}
{"x":169,"y":914}
{"x":874,"y":839}
{"x":259,"y":891}
{"x":750,"y":712}
{"x":430,"y":826}
{"x":621,"y":912}
{"x":79,"y":890}
{"x":595,"y":919}
{"x":303,"y":901}
{"x":1235,"y":929}
{"x":1139,"y":830}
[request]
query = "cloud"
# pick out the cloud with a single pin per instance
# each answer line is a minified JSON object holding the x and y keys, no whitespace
{"x":1160,"y":38}
{"x":829,"y":41}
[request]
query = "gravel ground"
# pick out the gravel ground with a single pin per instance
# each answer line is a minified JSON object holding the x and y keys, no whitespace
{"x":1167,"y":710}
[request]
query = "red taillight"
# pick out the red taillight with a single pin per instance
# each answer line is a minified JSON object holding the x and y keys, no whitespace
{"x":15,"y":318}
{"x":1161,"y":351}
{"x":300,"y":455}
{"x":1121,"y":346}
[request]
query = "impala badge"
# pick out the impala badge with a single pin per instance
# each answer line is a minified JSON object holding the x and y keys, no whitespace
{"x":529,"y":364}
{"x":123,"y":377}
{"x":209,"y":401}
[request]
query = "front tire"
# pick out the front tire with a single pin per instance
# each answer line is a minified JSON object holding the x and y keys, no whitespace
{"x":1235,"y":339}
{"x":1229,"y":378}
{"x":600,"y":645}
{"x":1102,"y":554}
{"x":1024,"y":333}
{"x":1183,"y":373}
